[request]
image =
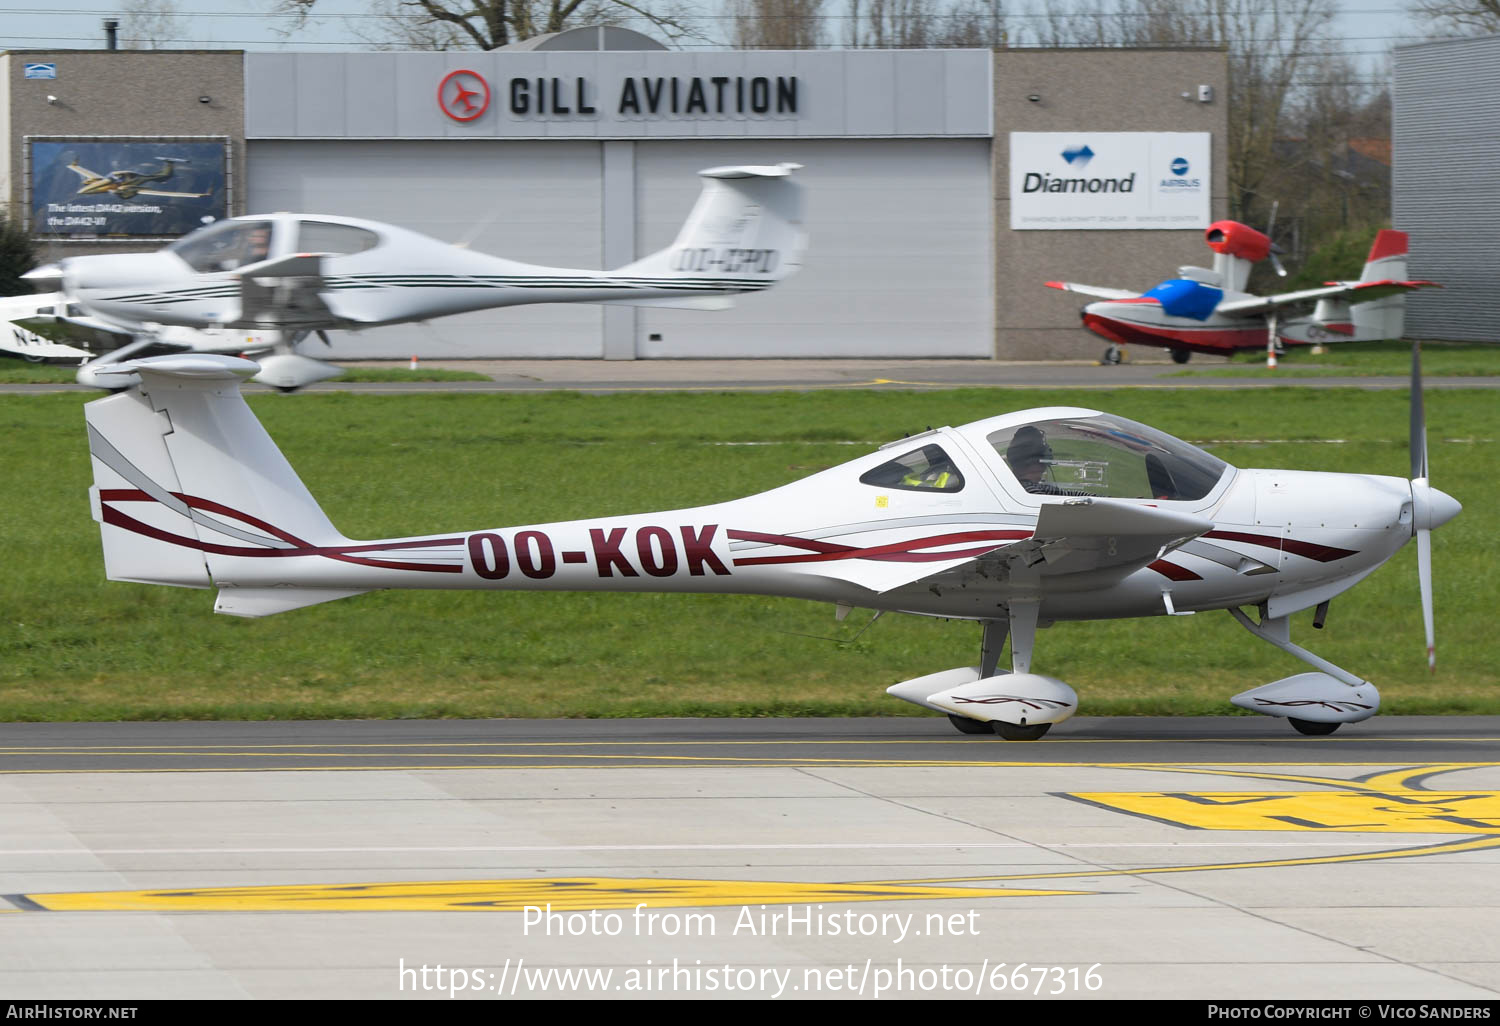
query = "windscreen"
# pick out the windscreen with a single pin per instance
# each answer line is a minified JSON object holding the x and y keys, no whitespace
{"x":1106,"y":456}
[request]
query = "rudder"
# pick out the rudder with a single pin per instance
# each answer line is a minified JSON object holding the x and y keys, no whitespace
{"x":186,"y":478}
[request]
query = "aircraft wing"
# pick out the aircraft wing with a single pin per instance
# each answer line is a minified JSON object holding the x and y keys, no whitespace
{"x":1072,"y":536}
{"x":84,"y":173}
{"x":1098,"y":292}
{"x":1352,"y":291}
{"x":289,"y":292}
{"x":161,"y":192}
{"x":87,"y":331}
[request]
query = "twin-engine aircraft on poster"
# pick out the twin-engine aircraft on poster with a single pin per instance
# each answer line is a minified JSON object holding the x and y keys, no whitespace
{"x":130,"y":183}
{"x":279,"y":278}
{"x":1017,"y":522}
{"x":1207,"y":310}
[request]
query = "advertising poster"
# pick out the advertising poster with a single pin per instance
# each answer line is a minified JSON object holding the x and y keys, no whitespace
{"x":1109,"y":180}
{"x":125,"y":188}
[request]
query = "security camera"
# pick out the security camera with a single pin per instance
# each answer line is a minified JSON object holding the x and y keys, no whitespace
{"x":1035,"y":98}
{"x":205,"y":99}
{"x":51,"y":98}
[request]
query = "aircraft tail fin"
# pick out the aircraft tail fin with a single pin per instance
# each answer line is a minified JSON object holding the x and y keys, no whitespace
{"x":187,"y":482}
{"x":744,"y":234}
{"x":1386,"y":317}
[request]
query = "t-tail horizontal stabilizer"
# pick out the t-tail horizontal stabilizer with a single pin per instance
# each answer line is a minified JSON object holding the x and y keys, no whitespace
{"x":188,"y":484}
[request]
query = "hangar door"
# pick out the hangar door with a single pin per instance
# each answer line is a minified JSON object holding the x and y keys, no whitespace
{"x":899,"y":263}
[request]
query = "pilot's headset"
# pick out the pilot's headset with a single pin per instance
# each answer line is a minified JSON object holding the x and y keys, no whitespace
{"x":1028,"y":445}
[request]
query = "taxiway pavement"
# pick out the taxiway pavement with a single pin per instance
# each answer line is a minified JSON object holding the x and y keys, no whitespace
{"x":1121,"y":858}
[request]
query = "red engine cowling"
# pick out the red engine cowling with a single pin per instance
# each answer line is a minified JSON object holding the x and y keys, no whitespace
{"x":1238,"y":240}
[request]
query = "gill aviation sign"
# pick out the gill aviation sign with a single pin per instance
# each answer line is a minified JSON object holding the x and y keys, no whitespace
{"x":1109,"y":180}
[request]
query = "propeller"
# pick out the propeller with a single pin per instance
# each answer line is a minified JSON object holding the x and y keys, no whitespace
{"x":1270,"y":234}
{"x":1430,"y":507}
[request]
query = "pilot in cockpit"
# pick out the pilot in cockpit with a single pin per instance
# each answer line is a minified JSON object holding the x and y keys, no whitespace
{"x":1029,"y":456}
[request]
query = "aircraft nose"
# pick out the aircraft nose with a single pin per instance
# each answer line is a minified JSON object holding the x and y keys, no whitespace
{"x":47,"y":275}
{"x":1441,"y":507}
{"x":1431,"y":507}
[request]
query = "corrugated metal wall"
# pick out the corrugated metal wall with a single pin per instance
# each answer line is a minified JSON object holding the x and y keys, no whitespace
{"x":1445,"y":189}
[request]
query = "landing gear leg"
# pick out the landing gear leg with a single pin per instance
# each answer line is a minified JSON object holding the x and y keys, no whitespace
{"x":1022,"y":624}
{"x":1333,"y":692}
{"x":1111,"y":356}
{"x":995,"y":632}
{"x":990,"y":647}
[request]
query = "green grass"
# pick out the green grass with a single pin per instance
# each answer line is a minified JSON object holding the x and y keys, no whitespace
{"x":19,"y":372}
{"x":74,"y":646}
{"x":1361,"y":359}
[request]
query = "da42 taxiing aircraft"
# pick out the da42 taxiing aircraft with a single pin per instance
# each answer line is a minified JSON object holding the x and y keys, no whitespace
{"x":296,"y":274}
{"x":1207,"y":310}
{"x":1017,"y":522}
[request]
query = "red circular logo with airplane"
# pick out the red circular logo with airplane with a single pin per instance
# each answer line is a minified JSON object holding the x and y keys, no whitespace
{"x":463,"y":95}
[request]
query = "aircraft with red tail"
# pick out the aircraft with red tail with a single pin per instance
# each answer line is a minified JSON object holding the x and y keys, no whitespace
{"x":1207,"y":310}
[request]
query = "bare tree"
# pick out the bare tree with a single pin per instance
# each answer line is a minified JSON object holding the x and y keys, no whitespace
{"x":1460,"y":17}
{"x":149,"y":24}
{"x":490,"y":24}
{"x":776,"y":24}
{"x":1272,"y":44}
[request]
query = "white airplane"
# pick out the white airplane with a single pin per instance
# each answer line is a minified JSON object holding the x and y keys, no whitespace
{"x":1205,"y":310}
{"x":1017,"y":521}
{"x":285,"y":276}
{"x":27,"y":314}
{"x":46,"y":327}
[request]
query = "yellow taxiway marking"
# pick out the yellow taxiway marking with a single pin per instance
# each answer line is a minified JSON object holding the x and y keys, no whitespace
{"x":678,"y":763}
{"x":167,"y":749}
{"x":1363,"y":811}
{"x":1441,"y":848}
{"x":505,"y":761}
{"x":1385,"y":802}
{"x":578,"y":893}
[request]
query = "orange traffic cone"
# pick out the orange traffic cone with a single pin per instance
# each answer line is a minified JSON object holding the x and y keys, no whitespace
{"x":413,"y":362}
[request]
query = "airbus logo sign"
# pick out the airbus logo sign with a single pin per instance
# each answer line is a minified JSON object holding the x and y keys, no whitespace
{"x":1179,"y":180}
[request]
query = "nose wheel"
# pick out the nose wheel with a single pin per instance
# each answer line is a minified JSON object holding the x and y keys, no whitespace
{"x":1112,"y":356}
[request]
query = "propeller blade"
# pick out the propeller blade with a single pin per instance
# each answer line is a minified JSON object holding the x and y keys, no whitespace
{"x":1424,"y":578}
{"x":1276,"y":263}
{"x":1418,"y":439}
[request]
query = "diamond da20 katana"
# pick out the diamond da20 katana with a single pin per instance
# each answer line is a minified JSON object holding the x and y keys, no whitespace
{"x":1016,"y":521}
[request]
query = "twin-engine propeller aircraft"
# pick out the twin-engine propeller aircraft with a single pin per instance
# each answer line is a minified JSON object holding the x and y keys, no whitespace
{"x":296,"y":274}
{"x":1017,"y":522}
{"x":1206,"y":310}
{"x":128,"y":184}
